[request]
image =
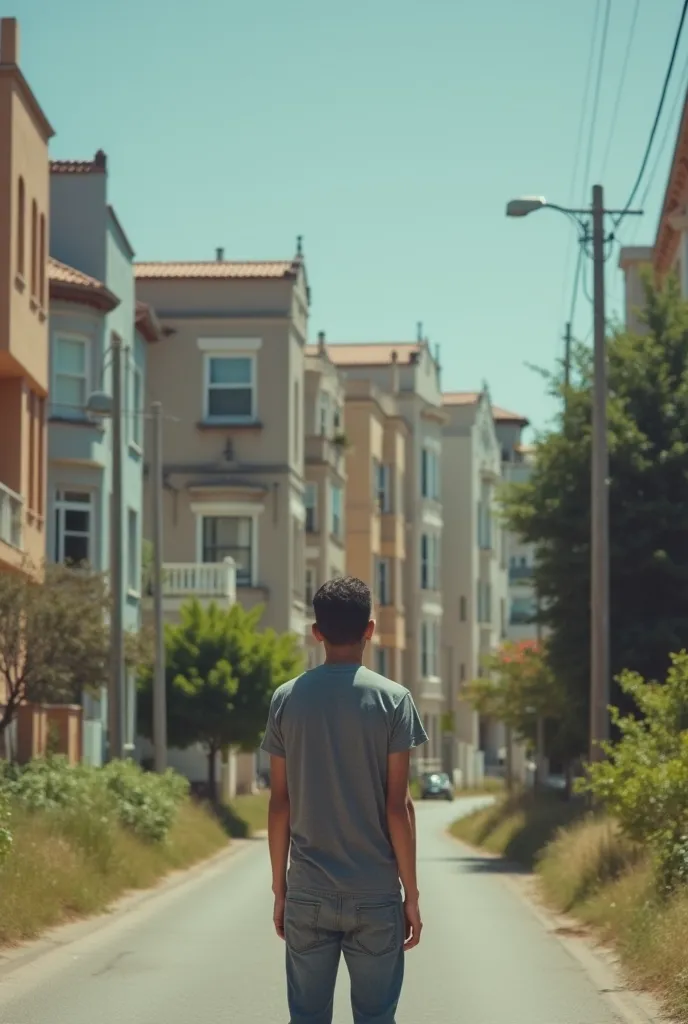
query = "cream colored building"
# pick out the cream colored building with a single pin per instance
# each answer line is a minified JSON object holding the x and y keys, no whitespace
{"x":325,"y":486}
{"x":407,"y":373}
{"x":230,"y":375}
{"x":474,"y":559}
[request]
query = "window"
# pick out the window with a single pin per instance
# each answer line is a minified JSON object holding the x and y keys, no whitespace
{"x":70,"y":387}
{"x":485,"y":518}
{"x":311,"y":587}
{"x":310,"y":501}
{"x":484,"y":602}
{"x":429,"y":561}
{"x":297,"y":421}
{"x":73,"y":527}
{"x":429,"y":648}
{"x":383,"y":582}
{"x":21,"y":227}
{"x":324,"y":414}
{"x":133,"y":574}
{"x":430,"y":474}
{"x":230,"y":537}
{"x":41,"y":265}
{"x":523,"y":611}
{"x":230,"y":393}
{"x":136,"y":405}
{"x":382,"y":661}
{"x":34,"y":248}
{"x":384,"y":493}
{"x":337,"y":522}
{"x":462,"y":609}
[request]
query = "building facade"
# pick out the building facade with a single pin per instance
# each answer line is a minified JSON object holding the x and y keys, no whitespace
{"x":408,"y":372}
{"x":93,"y":304}
{"x":24,"y":239}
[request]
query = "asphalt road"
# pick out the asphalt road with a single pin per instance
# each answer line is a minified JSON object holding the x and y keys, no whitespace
{"x":205,"y":951}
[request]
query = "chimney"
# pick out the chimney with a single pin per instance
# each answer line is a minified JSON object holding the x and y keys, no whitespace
{"x":419,"y":332}
{"x":100,"y":160}
{"x":321,"y":342}
{"x":394,"y":376}
{"x":219,"y":254}
{"x":9,"y":41}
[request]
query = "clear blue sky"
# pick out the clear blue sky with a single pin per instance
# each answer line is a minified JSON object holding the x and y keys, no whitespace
{"x":390,"y":134}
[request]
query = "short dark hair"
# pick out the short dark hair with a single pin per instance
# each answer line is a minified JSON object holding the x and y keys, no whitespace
{"x":342,"y":609}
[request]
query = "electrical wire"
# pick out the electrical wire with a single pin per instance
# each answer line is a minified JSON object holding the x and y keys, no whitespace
{"x":619,"y":91}
{"x":658,"y":115}
{"x":598,"y":89}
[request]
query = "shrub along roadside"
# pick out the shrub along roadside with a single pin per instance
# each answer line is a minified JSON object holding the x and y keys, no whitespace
{"x":81,"y":837}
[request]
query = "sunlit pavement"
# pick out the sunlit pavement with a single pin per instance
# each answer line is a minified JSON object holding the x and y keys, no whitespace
{"x":205,"y":951}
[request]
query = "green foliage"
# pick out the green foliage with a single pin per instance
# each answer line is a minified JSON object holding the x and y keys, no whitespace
{"x":144,"y":803}
{"x":648,"y":441}
{"x":221,"y":673}
{"x":644,"y":781}
{"x":5,"y":833}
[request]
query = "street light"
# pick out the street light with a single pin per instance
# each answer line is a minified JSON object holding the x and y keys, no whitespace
{"x":599,"y":511}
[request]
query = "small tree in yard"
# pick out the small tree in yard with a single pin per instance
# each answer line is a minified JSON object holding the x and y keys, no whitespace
{"x":221,"y":673}
{"x":54,"y":639}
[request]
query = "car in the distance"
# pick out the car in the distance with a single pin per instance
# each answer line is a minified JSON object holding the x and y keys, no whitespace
{"x":436,"y":786}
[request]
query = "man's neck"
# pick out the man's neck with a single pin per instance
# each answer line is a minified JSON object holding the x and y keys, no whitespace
{"x":344,"y":656}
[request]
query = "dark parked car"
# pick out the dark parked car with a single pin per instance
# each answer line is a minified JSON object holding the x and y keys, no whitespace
{"x":436,"y":786}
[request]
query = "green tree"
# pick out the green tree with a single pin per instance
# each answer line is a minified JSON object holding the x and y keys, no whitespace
{"x":221,"y":672}
{"x":648,"y":442}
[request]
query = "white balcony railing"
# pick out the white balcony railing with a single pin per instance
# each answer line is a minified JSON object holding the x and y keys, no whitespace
{"x":11,"y":505}
{"x":200,"y":579}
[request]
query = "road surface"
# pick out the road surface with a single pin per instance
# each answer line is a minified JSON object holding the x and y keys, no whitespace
{"x":205,"y":951}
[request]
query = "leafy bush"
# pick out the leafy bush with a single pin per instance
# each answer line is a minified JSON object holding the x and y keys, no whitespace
{"x":644,"y":781}
{"x":5,"y":834}
{"x":144,"y":803}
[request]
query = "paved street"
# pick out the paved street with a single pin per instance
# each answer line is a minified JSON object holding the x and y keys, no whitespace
{"x":205,"y":951}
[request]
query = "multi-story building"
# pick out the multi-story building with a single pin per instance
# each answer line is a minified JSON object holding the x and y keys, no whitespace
{"x":230,"y":377}
{"x":325,"y":485}
{"x":407,"y":372}
{"x":24,"y":232}
{"x":474,"y":560}
{"x":92,"y":304}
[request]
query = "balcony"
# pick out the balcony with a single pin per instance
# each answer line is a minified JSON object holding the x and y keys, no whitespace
{"x":206,"y":581}
{"x":520,"y":573}
{"x":320,"y":450}
{"x":11,"y":518}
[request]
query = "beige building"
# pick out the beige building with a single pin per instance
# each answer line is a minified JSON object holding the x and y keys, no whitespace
{"x":24,"y":228}
{"x":325,"y":486}
{"x":407,"y":374}
{"x":230,"y":376}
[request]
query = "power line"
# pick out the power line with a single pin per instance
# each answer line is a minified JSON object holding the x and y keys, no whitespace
{"x":598,"y":87}
{"x":619,"y":92}
{"x":658,"y":115}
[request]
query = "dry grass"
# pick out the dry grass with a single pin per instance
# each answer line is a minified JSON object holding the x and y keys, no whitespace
{"x":61,"y":870}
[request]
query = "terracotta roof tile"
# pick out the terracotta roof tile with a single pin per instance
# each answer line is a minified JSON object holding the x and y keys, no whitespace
{"x":372,"y":354}
{"x":72,"y":285}
{"x":504,"y":416}
{"x":214,"y":270}
{"x":65,"y":274}
{"x":96,"y":166}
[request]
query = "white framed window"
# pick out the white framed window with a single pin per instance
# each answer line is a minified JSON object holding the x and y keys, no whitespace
{"x":430,"y":473}
{"x":324,"y":414}
{"x":429,"y":561}
{"x":136,"y":400}
{"x":230,"y":393}
{"x":382,"y":661}
{"x":73,"y":511}
{"x":429,"y":647}
{"x":484,"y":596}
{"x":383,"y":582}
{"x":311,"y":585}
{"x":133,"y":571}
{"x":70,"y":376}
{"x":336,"y":511}
{"x":225,"y":536}
{"x":310,"y":503}
{"x":383,"y":484}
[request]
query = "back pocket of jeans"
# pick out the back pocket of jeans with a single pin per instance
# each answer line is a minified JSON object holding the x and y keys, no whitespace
{"x":377,"y":928}
{"x":301,"y":924}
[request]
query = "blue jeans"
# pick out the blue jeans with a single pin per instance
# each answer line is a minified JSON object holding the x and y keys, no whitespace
{"x":368,"y":930}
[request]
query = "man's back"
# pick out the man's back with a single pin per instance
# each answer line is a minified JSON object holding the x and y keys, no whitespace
{"x":336,"y":725}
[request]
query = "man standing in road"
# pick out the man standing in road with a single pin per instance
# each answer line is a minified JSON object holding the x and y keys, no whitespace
{"x":339,"y":738}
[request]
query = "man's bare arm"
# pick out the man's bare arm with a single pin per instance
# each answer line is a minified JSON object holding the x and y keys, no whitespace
{"x":401,"y":823}
{"x":278,"y":824}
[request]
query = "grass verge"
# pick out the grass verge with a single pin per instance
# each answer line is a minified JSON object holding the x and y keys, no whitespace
{"x":587,"y":868}
{"x":59,"y":868}
{"x":246,"y":815}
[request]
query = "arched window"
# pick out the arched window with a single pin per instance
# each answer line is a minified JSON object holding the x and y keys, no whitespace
{"x":41,"y":268}
{"x":21,"y":226}
{"x":34,"y":248}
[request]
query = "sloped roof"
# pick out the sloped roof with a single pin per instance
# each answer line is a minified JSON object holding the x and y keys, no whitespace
{"x":72,"y":285}
{"x":216,"y":270}
{"x":500,"y":415}
{"x":373,"y":353}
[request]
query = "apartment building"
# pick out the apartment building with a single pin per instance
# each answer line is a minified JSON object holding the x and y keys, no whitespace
{"x":326,"y":476}
{"x":474,"y":555}
{"x":92,"y":307}
{"x":24,"y":238}
{"x":230,"y":377}
{"x":408,"y":373}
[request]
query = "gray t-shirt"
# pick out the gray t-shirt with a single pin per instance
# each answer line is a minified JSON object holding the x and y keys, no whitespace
{"x":336,"y":726}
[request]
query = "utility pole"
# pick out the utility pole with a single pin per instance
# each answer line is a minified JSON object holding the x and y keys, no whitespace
{"x":599,"y":576}
{"x":159,"y":691}
{"x":116,"y":704}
